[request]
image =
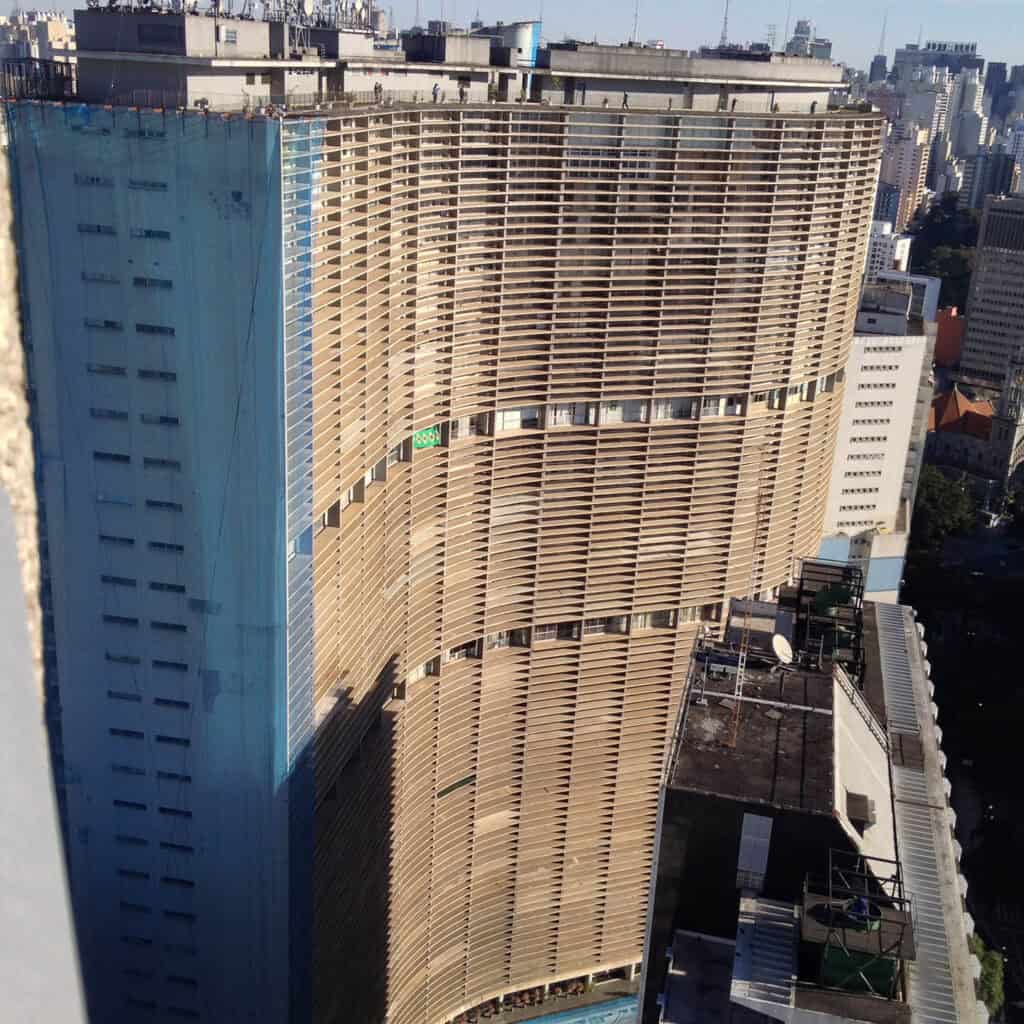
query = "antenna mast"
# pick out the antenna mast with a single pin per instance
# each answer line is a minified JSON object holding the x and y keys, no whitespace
{"x":724,"y":41}
{"x":789,"y":15}
{"x":636,"y":22}
{"x":885,"y":24}
{"x":748,"y":611}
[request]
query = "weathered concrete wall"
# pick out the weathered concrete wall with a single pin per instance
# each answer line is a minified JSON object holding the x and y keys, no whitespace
{"x":16,"y":462}
{"x":39,"y":974}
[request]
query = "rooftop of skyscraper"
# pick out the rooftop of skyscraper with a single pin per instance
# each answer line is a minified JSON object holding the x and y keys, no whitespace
{"x":184,"y":57}
{"x":829,"y":728}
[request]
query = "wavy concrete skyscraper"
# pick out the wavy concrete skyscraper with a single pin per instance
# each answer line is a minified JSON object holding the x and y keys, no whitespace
{"x":392,"y":455}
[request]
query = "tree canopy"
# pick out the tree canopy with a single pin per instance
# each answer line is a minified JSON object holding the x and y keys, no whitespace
{"x":943,"y":508}
{"x":990,"y":985}
{"x":944,"y":244}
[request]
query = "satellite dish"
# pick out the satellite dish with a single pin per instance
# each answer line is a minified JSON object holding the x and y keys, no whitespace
{"x":783,"y":650}
{"x":307,"y":8}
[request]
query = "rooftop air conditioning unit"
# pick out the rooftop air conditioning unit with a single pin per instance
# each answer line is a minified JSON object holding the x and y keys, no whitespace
{"x":860,"y":809}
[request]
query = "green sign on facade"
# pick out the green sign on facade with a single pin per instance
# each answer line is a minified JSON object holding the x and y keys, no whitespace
{"x":427,"y":438}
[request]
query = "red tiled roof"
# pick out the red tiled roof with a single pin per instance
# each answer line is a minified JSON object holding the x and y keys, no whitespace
{"x":954,"y":412}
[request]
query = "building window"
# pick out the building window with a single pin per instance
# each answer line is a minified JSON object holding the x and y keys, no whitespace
{"x":118,"y":581}
{"x":171,"y":588}
{"x":430,"y":668}
{"x":121,"y":620}
{"x":594,"y":627}
{"x":673,"y":408}
{"x":174,"y":812}
{"x":124,"y":840}
{"x":160,"y":545}
{"x":509,"y":638}
{"x":518,"y":419}
{"x":400,"y":453}
{"x":571,"y":414}
{"x":610,"y":413}
{"x":545,"y":632}
{"x":463,"y":651}
{"x":94,"y":179}
{"x":133,"y":698}
{"x":170,"y":702}
{"x":470,"y":426}
{"x":109,"y":538}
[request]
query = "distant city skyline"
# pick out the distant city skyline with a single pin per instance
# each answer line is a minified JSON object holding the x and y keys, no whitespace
{"x":996,"y":25}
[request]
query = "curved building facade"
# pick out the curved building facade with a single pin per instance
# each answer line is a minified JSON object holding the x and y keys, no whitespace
{"x":391,"y":460}
{"x":576,"y":373}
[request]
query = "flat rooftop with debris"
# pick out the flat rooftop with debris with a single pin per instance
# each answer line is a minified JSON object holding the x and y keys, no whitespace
{"x":774,"y":746}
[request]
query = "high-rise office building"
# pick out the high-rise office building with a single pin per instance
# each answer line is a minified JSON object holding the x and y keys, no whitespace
{"x":905,"y":166}
{"x":393,"y":454}
{"x":881,"y":437}
{"x":995,"y":329}
{"x":967,"y":123}
{"x":806,"y":44}
{"x":1013,"y":140}
{"x":995,"y":78}
{"x":879,"y":68}
{"x":952,"y":55}
{"x":988,"y":173}
{"x":887,"y":251}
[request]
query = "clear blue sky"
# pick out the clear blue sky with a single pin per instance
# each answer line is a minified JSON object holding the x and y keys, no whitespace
{"x":854,"y":27}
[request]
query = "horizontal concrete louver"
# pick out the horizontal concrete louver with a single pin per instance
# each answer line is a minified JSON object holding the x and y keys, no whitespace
{"x":495,"y":829}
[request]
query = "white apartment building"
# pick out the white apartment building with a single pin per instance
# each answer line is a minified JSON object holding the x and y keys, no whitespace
{"x":924,"y":292}
{"x":886,"y":251}
{"x":1014,"y":140}
{"x":926,"y":98}
{"x":878,"y":454}
{"x":968,"y":125}
{"x":40,"y":35}
{"x":905,"y":165}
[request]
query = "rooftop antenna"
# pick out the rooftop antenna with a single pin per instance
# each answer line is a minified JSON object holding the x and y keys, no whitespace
{"x":636,"y":22}
{"x":789,"y":15}
{"x":724,"y":41}
{"x":748,"y":608}
{"x":920,"y":34}
{"x":418,"y":22}
{"x":881,"y":42}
